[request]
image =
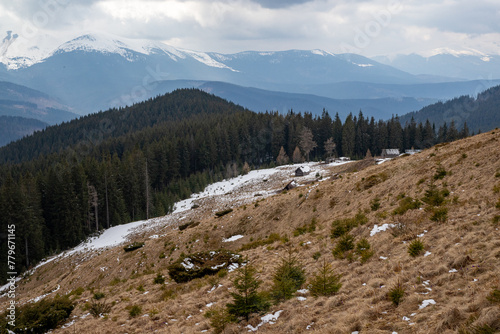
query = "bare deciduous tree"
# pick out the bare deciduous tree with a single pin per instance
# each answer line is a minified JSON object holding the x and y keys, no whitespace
{"x":307,"y":144}
{"x":330,"y":147}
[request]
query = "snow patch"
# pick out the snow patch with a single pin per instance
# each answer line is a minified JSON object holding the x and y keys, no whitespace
{"x":233,"y":238}
{"x":322,"y":53}
{"x":268,"y":318}
{"x":376,"y":229}
{"x":36,"y":299}
{"x":426,"y":303}
{"x":187,"y":264}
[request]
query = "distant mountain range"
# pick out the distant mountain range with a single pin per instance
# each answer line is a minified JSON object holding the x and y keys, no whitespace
{"x":24,"y":110}
{"x":461,"y":65}
{"x":21,"y":101}
{"x":97,"y":71}
{"x":265,"y":100}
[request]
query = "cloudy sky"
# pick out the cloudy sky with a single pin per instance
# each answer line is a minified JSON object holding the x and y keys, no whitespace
{"x":368,"y":27}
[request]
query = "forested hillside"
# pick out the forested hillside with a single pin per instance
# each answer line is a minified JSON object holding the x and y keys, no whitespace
{"x":69,"y":181}
{"x":481,"y":113}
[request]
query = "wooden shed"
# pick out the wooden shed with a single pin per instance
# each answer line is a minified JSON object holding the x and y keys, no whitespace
{"x":301,"y":171}
{"x":390,"y":153}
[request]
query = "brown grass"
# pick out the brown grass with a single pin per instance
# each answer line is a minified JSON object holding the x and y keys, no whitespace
{"x":467,"y":242}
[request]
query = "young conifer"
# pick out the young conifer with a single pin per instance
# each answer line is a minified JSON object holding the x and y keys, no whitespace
{"x":247,"y":299}
{"x":325,"y":282}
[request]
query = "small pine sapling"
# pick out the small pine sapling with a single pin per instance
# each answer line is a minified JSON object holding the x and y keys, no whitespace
{"x":325,"y":282}
{"x":396,"y":294}
{"x":415,"y":248}
{"x":288,"y":278}
{"x":247,"y":300}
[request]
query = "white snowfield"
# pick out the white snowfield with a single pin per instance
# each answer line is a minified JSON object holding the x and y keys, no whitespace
{"x":17,"y":52}
{"x":221,"y":195}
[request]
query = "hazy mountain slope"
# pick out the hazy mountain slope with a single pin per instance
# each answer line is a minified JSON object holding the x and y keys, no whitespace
{"x":17,"y":100}
{"x":438,"y":91}
{"x":260,"y":100}
{"x":446,"y":287}
{"x":13,"y":128}
{"x":98,"y":71}
{"x":460,"y":65}
{"x":480,"y":113}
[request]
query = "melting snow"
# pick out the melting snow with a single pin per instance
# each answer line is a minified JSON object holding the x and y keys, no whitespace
{"x":376,"y":229}
{"x":426,"y":303}
{"x":268,"y":318}
{"x":187,"y":264}
{"x":233,"y":238}
{"x":36,"y":299}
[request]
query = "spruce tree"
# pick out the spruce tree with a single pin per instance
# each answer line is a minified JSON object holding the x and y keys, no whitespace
{"x":325,"y":282}
{"x":247,"y":300}
{"x":348,"y":137}
{"x":288,"y":278}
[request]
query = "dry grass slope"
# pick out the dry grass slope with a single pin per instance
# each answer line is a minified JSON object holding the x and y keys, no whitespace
{"x":458,"y":269}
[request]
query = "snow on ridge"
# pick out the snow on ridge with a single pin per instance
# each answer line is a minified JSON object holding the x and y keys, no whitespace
{"x":322,"y":52}
{"x":17,"y":54}
{"x":453,"y":52}
{"x":204,"y":58}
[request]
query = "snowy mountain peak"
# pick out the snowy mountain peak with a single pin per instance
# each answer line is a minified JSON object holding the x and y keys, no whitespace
{"x":21,"y":54}
{"x":99,"y":43}
{"x":452,"y":52}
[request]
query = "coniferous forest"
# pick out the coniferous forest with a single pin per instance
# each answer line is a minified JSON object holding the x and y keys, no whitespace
{"x":69,"y":181}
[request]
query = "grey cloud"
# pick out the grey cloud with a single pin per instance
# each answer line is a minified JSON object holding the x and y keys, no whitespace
{"x":273,"y":4}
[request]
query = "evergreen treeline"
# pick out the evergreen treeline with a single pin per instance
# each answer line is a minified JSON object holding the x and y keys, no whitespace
{"x":68,"y":181}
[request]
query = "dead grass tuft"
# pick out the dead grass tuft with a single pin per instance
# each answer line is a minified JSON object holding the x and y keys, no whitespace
{"x":451,"y":319}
